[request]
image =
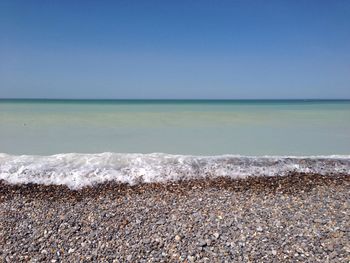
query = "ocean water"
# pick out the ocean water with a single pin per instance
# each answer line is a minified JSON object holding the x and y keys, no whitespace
{"x":78,"y":143}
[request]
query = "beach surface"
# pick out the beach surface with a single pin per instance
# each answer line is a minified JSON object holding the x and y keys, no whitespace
{"x":295,"y":218}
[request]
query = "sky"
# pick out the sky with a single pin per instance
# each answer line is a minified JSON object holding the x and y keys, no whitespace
{"x":175,"y":49}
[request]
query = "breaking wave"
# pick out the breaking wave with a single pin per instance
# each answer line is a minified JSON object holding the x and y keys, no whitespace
{"x":79,"y":170}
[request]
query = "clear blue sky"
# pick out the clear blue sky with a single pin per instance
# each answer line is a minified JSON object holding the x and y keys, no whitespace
{"x":175,"y":49}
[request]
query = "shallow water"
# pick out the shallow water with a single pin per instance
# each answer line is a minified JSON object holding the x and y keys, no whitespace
{"x":177,"y":127}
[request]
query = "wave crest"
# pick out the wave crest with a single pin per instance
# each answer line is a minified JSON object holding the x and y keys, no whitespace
{"x":79,"y":170}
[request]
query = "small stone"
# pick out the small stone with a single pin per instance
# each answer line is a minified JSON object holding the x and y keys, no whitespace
{"x":333,"y":255}
{"x":191,"y":258}
{"x":160,"y":222}
{"x":328,"y":246}
{"x":177,"y":238}
{"x":202,"y":243}
{"x":71,"y":250}
{"x":208,"y":241}
{"x":259,"y":229}
{"x":129,"y":257}
{"x":44,"y":251}
{"x":274,"y":252}
{"x":216,"y":235}
{"x":347,"y":249}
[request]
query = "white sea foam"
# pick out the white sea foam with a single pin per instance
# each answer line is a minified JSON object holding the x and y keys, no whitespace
{"x":79,"y":170}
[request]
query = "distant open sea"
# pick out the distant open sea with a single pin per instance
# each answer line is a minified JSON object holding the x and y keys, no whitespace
{"x":145,"y":137}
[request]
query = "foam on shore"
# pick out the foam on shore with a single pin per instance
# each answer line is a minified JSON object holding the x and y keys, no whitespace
{"x":80,"y":170}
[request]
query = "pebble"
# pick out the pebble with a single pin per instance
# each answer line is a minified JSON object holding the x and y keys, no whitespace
{"x":216,"y":235}
{"x":259,"y":229}
{"x":191,"y":258}
{"x":202,"y":243}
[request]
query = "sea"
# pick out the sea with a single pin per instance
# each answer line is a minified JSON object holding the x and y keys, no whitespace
{"x":85,"y":142}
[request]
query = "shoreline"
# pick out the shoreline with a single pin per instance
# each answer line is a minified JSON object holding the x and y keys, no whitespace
{"x":299,"y":217}
{"x":81,"y":170}
{"x":263,"y":183}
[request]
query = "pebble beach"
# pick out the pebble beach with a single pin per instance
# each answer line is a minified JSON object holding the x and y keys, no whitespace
{"x":295,"y":218}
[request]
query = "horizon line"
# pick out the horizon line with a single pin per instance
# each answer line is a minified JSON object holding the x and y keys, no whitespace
{"x":180,"y":99}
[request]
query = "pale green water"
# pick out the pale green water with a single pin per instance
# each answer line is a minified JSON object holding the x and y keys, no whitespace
{"x":180,"y":127}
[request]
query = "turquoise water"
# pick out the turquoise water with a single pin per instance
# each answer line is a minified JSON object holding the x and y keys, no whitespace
{"x":178,"y":127}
